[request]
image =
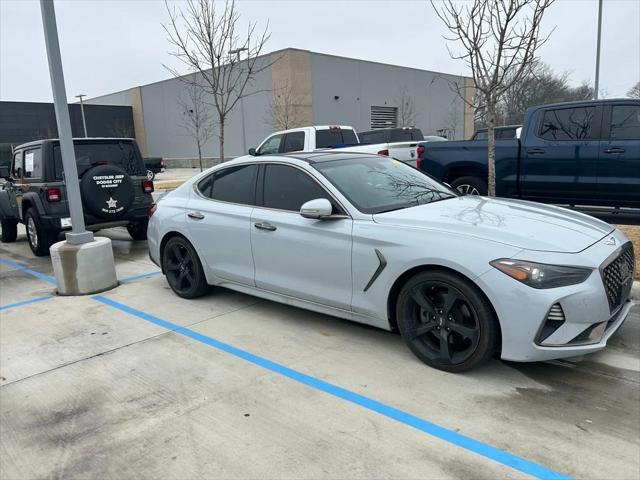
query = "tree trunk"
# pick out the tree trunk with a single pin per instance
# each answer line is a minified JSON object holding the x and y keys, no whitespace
{"x":221,"y":126}
{"x":491,"y":149}
{"x":200,"y":155}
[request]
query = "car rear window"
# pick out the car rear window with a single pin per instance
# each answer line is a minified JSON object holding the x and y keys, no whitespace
{"x":406,"y":135}
{"x":331,"y":138}
{"x":124,"y":154}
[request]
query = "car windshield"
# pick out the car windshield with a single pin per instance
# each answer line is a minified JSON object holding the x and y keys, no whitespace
{"x":381,"y":184}
{"x":123,"y":154}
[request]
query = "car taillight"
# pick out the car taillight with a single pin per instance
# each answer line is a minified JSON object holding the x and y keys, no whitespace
{"x":53,"y":194}
{"x":384,"y":152}
{"x":153,"y":209}
{"x":147,"y":186}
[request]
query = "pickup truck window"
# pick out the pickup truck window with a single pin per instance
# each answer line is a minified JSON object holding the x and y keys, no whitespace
{"x":332,"y":138}
{"x":372,"y":137}
{"x":293,"y":142}
{"x":405,"y":135}
{"x":272,"y":145}
{"x":625,"y":122}
{"x":567,"y":124}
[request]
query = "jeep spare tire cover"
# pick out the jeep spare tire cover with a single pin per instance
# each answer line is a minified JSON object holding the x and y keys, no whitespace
{"x":107,"y":191}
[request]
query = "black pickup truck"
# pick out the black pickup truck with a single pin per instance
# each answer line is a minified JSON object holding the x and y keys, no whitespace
{"x":583,"y":154}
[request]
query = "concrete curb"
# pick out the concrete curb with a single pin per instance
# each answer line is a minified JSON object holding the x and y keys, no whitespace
{"x":167,"y":184}
{"x":635,"y":291}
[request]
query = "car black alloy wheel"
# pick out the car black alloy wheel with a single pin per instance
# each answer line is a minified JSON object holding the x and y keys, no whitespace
{"x":446,"y":322}
{"x":183,"y":269}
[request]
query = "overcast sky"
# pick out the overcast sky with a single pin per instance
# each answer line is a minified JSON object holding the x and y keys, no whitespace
{"x":112,"y":45}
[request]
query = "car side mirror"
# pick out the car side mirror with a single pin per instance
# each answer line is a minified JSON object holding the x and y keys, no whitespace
{"x":252,"y":152}
{"x":5,"y":172}
{"x":317,"y":209}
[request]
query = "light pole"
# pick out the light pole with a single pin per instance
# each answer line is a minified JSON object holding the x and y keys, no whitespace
{"x":237,"y":51}
{"x":84,"y":122}
{"x":597,"y":82}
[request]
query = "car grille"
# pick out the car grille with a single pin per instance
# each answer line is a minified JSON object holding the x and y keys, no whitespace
{"x":617,"y":276}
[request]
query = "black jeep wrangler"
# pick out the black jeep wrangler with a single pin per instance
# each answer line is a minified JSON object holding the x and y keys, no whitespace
{"x":113,"y":184}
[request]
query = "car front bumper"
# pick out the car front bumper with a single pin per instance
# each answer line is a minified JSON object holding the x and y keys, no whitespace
{"x":586,"y":320}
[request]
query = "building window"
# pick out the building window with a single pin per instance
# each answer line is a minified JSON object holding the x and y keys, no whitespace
{"x":383,"y":117}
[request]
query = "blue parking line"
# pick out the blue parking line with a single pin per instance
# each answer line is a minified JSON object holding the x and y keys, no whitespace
{"x":25,"y":302}
{"x":517,"y":463}
{"x":22,"y":268}
{"x":139,"y":277}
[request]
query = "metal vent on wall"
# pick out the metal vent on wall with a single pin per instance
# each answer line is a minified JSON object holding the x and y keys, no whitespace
{"x":383,"y":117}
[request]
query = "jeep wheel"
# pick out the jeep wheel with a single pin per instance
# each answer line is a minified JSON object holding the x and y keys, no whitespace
{"x":40,"y":237}
{"x":8,"y":231}
{"x":138,"y":230}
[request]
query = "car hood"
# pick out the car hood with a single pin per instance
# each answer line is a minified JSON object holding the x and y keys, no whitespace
{"x":518,"y":223}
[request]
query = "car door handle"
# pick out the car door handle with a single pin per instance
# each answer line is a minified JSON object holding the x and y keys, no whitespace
{"x":535,"y":151}
{"x":265,"y":226}
{"x":614,"y":150}
{"x":195,"y":215}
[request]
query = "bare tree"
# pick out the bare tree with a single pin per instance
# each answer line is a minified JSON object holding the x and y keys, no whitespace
{"x":499,"y":42}
{"x":406,"y":108}
{"x":197,"y":120}
{"x":284,"y":112}
{"x":634,"y":92}
{"x":206,"y":37}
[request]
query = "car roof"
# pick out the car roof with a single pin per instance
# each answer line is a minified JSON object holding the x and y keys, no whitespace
{"x":308,"y":157}
{"x":75,"y":140}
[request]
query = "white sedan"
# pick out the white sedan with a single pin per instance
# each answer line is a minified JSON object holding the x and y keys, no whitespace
{"x":370,"y":239}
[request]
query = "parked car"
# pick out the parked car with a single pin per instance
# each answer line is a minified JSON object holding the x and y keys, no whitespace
{"x":367,"y":238}
{"x":113,"y":184}
{"x":575,"y":153}
{"x":153,"y":165}
{"x":307,"y":139}
{"x":505,"y":132}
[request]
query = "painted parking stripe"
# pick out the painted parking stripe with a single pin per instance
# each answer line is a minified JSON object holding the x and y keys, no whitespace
{"x":25,"y":269}
{"x":25,"y":302}
{"x":470,"y":444}
{"x":139,"y":277}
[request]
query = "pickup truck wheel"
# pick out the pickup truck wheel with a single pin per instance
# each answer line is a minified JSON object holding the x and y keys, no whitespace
{"x":150,"y":175}
{"x":39,"y":236}
{"x":470,"y":186}
{"x":138,"y":230}
{"x":8,"y":231}
{"x":446,"y":322}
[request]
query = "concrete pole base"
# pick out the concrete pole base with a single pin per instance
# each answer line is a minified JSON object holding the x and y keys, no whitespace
{"x":85,"y":268}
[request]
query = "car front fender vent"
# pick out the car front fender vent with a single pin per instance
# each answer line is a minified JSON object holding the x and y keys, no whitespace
{"x":553,"y":321}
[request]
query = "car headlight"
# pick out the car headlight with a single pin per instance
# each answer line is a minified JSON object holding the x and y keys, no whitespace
{"x":541,"y":275}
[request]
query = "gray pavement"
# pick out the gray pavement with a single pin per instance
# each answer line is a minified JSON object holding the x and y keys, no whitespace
{"x":138,"y":383}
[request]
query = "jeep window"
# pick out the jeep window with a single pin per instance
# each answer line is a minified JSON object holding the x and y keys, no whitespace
{"x":16,"y":168}
{"x":568,"y":124}
{"x":335,"y":137}
{"x":32,"y":164}
{"x":123,"y":154}
{"x":625,"y":122}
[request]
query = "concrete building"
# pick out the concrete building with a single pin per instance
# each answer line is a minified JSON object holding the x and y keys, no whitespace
{"x":321,"y":89}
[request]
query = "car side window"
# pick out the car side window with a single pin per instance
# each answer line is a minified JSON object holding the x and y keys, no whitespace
{"x":32,"y":165}
{"x":293,"y":142}
{"x":287,"y":188}
{"x":568,"y":124}
{"x":16,"y":168}
{"x":232,"y":184}
{"x":625,"y":122}
{"x":272,"y":145}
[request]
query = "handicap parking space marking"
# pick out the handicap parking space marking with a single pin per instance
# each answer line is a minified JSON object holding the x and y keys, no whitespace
{"x":500,"y":456}
{"x":139,"y":277}
{"x":25,"y":302}
{"x":25,"y":269}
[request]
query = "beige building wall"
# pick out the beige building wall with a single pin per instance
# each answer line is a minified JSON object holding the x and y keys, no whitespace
{"x":469,"y":114}
{"x":138,"y":120}
{"x":292,"y":92}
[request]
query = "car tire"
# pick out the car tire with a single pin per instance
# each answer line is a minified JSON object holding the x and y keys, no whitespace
{"x":8,"y":231}
{"x":446,"y":321}
{"x":182,"y":268}
{"x":138,"y":230}
{"x":39,"y":236}
{"x":470,"y":186}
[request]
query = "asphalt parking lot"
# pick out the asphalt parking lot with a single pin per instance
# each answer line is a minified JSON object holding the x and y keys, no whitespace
{"x":138,"y":383}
